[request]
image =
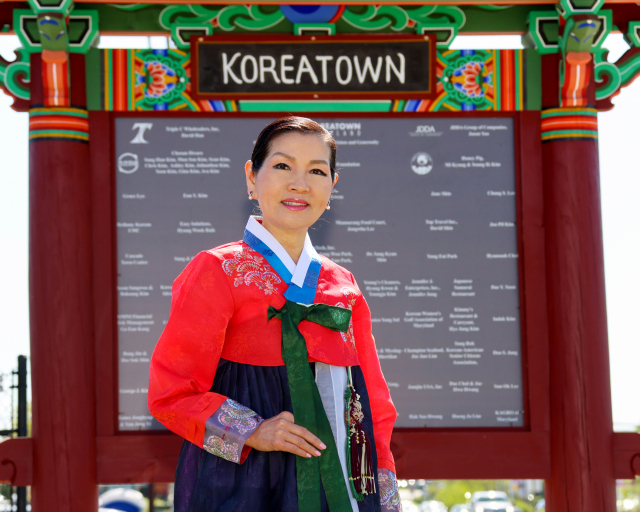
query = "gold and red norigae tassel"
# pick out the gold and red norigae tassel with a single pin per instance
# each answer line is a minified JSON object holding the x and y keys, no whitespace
{"x":359,"y":450}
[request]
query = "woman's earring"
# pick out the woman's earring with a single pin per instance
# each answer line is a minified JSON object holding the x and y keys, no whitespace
{"x":329,"y":205}
{"x":250,"y":198}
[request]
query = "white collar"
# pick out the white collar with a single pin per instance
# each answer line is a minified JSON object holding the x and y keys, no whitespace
{"x":299,"y":271}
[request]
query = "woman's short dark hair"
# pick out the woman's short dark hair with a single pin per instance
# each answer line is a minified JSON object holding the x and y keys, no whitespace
{"x":291,"y":124}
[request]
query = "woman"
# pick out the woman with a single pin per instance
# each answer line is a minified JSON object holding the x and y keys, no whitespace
{"x":267,"y":366}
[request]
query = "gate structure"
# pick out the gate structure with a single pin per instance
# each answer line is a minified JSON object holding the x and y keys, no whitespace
{"x":551,"y":92}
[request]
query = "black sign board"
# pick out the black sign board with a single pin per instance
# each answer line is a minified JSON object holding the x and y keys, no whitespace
{"x":313,"y":67}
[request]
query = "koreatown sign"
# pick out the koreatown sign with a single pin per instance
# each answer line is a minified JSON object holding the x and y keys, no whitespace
{"x":334,"y":67}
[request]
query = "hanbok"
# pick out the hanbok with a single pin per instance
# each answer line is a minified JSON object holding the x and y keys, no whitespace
{"x":217,"y":372}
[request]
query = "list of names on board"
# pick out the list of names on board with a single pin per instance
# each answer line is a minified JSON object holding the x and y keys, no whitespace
{"x":423,"y":215}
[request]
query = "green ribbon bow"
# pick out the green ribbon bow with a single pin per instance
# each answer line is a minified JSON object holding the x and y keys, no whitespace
{"x":308,"y":410}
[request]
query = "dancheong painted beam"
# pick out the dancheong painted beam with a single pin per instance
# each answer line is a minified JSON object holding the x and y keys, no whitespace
{"x":539,"y":23}
{"x":485,"y":80}
{"x":350,"y":2}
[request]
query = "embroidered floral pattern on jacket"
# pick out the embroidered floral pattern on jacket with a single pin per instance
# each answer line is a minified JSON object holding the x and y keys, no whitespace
{"x":389,"y":495}
{"x":227,"y":429}
{"x":351,"y":297}
{"x":239,"y":417}
{"x":218,"y":446}
{"x":249,"y":267}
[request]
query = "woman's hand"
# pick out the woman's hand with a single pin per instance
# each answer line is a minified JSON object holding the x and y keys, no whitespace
{"x":280,"y":433}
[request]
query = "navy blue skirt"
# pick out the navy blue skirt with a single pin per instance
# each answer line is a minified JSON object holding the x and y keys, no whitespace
{"x":265,"y":481}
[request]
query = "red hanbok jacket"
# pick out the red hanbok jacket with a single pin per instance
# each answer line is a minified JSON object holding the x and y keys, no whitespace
{"x":219,"y":310}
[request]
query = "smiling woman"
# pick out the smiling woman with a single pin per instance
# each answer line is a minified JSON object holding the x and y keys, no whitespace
{"x":291,"y":174}
{"x":267,"y":366}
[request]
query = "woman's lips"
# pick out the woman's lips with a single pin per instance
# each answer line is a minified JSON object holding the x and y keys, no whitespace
{"x":294,"y":204}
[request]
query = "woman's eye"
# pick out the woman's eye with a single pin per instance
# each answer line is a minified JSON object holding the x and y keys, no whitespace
{"x":318,"y":171}
{"x":281,"y":165}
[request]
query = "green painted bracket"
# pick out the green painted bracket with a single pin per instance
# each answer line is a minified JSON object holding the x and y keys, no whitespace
{"x":82,"y":30}
{"x":606,"y":75}
{"x":187,"y":15}
{"x":314,"y":29}
{"x":543,"y":33}
{"x":182,"y":33}
{"x":612,"y":76}
{"x":183,"y":21}
{"x":443,"y":22}
{"x":444,"y":35}
{"x":249,"y":17}
{"x":372,"y":18}
{"x":14,"y":74}
{"x":633,"y":34}
{"x":629,"y":66}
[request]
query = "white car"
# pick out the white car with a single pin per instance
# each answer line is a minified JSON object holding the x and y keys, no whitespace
{"x":409,"y":506}
{"x":122,"y":498}
{"x":5,"y":504}
{"x":491,"y":501}
{"x":432,"y":506}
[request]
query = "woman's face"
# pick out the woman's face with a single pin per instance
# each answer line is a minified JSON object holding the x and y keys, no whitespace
{"x":293,"y":186}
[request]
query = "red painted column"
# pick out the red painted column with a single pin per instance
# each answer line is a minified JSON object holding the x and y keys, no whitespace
{"x":582,"y":471}
{"x":60,"y":283}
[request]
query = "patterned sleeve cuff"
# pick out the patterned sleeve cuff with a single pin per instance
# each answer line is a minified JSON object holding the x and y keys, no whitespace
{"x":389,"y":495}
{"x":227,"y":429}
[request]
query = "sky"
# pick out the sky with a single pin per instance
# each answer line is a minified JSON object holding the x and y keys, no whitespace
{"x":620,"y":182}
